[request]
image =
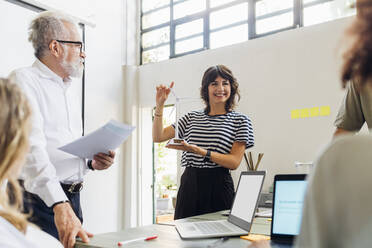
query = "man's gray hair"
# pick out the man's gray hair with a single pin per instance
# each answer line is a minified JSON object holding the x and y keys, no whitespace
{"x":47,"y":26}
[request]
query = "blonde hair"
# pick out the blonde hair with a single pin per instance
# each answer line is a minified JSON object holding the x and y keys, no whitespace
{"x":15,"y":127}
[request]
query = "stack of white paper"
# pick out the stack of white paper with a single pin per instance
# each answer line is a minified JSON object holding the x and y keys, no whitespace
{"x":108,"y":137}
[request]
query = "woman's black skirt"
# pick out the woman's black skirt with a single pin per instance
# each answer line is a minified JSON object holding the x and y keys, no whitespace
{"x":204,"y":190}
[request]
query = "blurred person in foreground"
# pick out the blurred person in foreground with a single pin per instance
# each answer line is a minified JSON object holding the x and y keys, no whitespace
{"x":15,"y":230}
{"x":337,"y":206}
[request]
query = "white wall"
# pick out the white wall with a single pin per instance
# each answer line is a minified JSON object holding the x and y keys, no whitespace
{"x":82,"y":9}
{"x":103,"y":192}
{"x":289,"y":70}
{"x":15,"y":49}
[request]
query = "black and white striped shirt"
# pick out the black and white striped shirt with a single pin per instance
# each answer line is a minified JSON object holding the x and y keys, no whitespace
{"x":215,"y":133}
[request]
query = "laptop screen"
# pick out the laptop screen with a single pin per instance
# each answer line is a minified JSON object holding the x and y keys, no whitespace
{"x":288,"y":203}
{"x":247,"y":194}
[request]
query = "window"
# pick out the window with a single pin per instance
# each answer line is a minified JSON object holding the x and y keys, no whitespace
{"x":153,"y":4}
{"x":189,"y":45}
{"x":172,"y":28}
{"x":156,"y":37}
{"x":229,"y":36}
{"x":316,"y":12}
{"x":227,"y":16}
{"x":155,"y":18}
{"x":190,"y":28}
{"x":274,"y":15}
{"x":189,"y":36}
{"x":156,"y":54}
{"x":188,"y":7}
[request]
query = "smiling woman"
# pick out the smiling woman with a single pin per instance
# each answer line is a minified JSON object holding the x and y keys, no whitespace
{"x":214,"y":141}
{"x":212,"y":79}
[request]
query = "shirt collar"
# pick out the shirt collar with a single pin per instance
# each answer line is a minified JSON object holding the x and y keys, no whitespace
{"x":45,"y":72}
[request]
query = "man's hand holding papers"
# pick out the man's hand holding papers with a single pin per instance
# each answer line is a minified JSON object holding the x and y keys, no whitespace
{"x":103,"y":161}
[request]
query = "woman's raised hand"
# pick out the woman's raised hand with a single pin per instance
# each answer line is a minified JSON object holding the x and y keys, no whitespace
{"x":162,"y":93}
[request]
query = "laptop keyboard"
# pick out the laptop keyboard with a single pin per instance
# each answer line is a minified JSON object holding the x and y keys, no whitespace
{"x":212,"y":227}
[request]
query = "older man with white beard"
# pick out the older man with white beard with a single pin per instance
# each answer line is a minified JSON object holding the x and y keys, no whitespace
{"x":51,"y":178}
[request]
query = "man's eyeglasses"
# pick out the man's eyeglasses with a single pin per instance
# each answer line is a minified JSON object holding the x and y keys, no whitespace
{"x":81,"y":44}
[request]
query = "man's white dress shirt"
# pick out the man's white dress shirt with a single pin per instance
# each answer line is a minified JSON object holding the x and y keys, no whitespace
{"x":56,"y":121}
{"x":11,"y":237}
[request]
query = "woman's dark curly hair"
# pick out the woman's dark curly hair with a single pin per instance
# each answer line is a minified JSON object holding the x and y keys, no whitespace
{"x":209,"y":76}
{"x":358,"y":58}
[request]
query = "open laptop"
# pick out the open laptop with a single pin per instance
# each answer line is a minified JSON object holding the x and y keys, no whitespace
{"x":240,"y":218}
{"x":289,"y":194}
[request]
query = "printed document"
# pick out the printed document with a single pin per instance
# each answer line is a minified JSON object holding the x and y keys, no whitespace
{"x":108,"y":137}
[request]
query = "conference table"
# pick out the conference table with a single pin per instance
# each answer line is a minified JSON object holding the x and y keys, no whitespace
{"x":169,"y":237}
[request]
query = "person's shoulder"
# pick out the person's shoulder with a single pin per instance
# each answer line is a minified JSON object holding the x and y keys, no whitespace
{"x":29,"y":70}
{"x":24,"y":75}
{"x":239,"y":116}
{"x":15,"y":238}
{"x":41,"y":238}
{"x":346,"y":151}
{"x":345,"y":142}
{"x":196,"y":113}
{"x":5,"y":226}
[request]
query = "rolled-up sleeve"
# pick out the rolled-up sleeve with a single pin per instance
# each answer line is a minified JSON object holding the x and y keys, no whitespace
{"x":39,"y":174}
{"x":350,"y":115}
{"x":245,"y":132}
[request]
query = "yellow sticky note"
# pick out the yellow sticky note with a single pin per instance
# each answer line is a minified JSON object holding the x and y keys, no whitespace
{"x":295,"y":114}
{"x":325,"y":110}
{"x":255,"y":237}
{"x":304,"y":113}
{"x":314,"y":111}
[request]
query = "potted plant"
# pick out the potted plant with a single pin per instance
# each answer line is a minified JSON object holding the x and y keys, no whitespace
{"x":166,"y":189}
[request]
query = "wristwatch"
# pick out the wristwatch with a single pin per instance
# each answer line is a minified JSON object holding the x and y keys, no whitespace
{"x":90,"y":165}
{"x":59,"y":202}
{"x":208,"y":155}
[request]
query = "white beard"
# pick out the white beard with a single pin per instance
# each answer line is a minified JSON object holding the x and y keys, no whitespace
{"x":73,"y":69}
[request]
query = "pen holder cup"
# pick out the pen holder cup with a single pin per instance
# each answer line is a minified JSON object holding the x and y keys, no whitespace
{"x":251,"y":165}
